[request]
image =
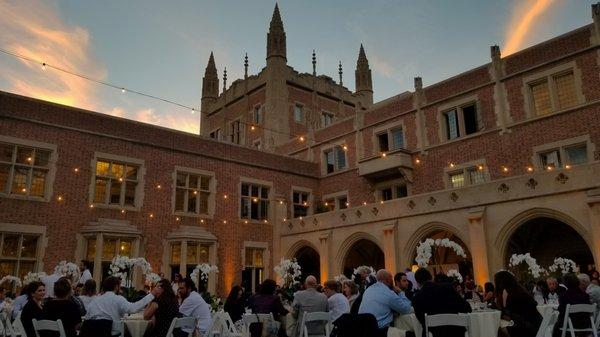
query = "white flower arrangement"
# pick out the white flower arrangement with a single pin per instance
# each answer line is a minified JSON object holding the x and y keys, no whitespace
{"x":31,"y":277}
{"x":357,"y":269}
{"x":565,"y":265}
{"x":10,"y":278}
{"x":152,"y":278}
{"x":424,"y":249}
{"x":534,"y":268}
{"x":202,"y":270}
{"x":122,"y":267}
{"x":68,"y":269}
{"x":453,"y":273}
{"x":289,"y":271}
{"x":340,"y":278}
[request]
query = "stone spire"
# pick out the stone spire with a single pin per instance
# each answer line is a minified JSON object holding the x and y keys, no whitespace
{"x":210,"y":82}
{"x":340,"y":72}
{"x":246,"y":66}
{"x":225,"y":79}
{"x":314,"y":63}
{"x":276,"y":37}
{"x":363,"y":79}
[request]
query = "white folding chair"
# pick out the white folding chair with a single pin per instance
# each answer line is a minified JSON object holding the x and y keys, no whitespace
{"x":567,"y":324}
{"x":255,"y":318}
{"x":547,"y":326}
{"x":17,"y":326}
{"x":47,"y":325}
{"x":459,"y":320}
{"x":316,"y":316}
{"x":183,"y":322}
{"x":222,"y":326}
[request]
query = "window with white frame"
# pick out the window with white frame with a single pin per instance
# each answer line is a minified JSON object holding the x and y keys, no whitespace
{"x":468,"y":175}
{"x":326,"y":118}
{"x":334,"y":159}
{"x":216,"y":134}
{"x":192,"y":193}
{"x":461,"y":120}
{"x":553,"y":92}
{"x":561,"y":156}
{"x":195,"y":252}
{"x":390,"y":140}
{"x":116,"y":183}
{"x":112,"y":245}
{"x":298,"y":113}
{"x":300,"y":200}
{"x":24,"y":170}
{"x":336,"y":202}
{"x":253,"y":273}
{"x":393,"y":192}
{"x":19,"y":253}
{"x":257,"y":114}
{"x":235,"y":135}
{"x":254,"y":202}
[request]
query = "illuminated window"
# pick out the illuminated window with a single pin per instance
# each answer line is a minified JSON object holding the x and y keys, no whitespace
{"x":112,"y":245}
{"x":554,"y":92}
{"x":565,"y":90}
{"x":541,"y":97}
{"x":567,"y":154}
{"x":457,"y":179}
{"x":467,"y":175}
{"x":19,"y":254}
{"x":24,"y":170}
{"x":253,"y":273}
{"x":254,"y":202}
{"x":116,"y":183}
{"x":192,"y":193}
{"x":300,"y":203}
{"x":336,"y":203}
{"x":393,"y":192}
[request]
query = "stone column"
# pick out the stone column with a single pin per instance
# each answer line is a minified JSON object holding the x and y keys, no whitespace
{"x":478,"y":246}
{"x":279,"y":221}
{"x":97,"y":273}
{"x":593,"y":200}
{"x":389,"y":248}
{"x":324,"y":255}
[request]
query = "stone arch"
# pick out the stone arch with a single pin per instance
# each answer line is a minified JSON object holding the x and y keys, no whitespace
{"x":431,"y":229}
{"x":347,"y":245}
{"x":294,"y":248}
{"x":513,"y":225}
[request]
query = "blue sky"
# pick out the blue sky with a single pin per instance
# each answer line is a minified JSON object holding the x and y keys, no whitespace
{"x":162,"y":48}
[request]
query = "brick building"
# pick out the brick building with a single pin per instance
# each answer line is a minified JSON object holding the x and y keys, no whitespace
{"x":501,"y":158}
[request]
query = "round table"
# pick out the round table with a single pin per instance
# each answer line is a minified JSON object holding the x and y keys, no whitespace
{"x":136,"y":326}
{"x":483,"y":323}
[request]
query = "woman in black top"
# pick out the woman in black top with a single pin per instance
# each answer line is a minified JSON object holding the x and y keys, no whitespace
{"x":62,"y":307}
{"x":33,"y":308}
{"x":517,"y":305}
{"x":161,"y":310}
{"x":235,"y":305}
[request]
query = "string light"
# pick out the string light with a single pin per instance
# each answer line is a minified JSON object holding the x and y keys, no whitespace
{"x":255,"y":200}
{"x":123,"y":90}
{"x":120,"y":179}
{"x":345,"y":148}
{"x":504,"y":169}
{"x":301,"y":138}
{"x":201,"y":220}
{"x":193,"y":111}
{"x":252,"y":128}
{"x":152,"y":215}
{"x":568,"y":167}
{"x":225,"y":196}
{"x":195,"y":192}
{"x":24,"y":190}
{"x":480,"y":167}
{"x":91,"y":205}
{"x":347,"y":204}
{"x":245,"y":221}
{"x":224,"y":221}
{"x":177,"y":218}
{"x":43,"y":66}
{"x":550,"y":168}
{"x":29,"y":159}
{"x":158,"y":187}
{"x":529,"y":169}
{"x":76,"y":170}
{"x":364,"y":203}
{"x":451,"y":165}
{"x":417,"y":161}
{"x":266,"y":221}
{"x":381,"y":202}
{"x":383,"y":155}
{"x":281,"y":202}
{"x":122,"y":211}
{"x":300,"y":218}
{"x":59,"y":198}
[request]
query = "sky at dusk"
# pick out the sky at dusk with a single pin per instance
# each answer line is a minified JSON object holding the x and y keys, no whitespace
{"x":161,"y":48}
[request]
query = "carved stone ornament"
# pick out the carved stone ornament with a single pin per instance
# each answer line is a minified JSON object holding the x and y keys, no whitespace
{"x":453,"y":196}
{"x":374,"y":211}
{"x":358,"y":213}
{"x":343,"y":217}
{"x":432,"y":201}
{"x":315,"y":221}
{"x":532,"y":183}
{"x":411,"y":204}
{"x":302,"y":223}
{"x":562,"y":178}
{"x":503,"y":188}
{"x":290,"y":225}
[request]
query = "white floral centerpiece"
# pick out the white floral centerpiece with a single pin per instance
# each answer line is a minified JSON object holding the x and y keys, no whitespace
{"x":425,"y":250}
{"x":152,"y":279}
{"x":11,"y":279}
{"x":564,"y":265}
{"x":533,"y":267}
{"x":357,"y":269}
{"x":68,"y":269}
{"x":341,"y":278}
{"x":454,"y":274}
{"x":201,"y":272}
{"x":289,"y":271}
{"x":123,"y":267}
{"x":31,"y":277}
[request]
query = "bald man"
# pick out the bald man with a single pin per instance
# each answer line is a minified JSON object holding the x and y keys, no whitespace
{"x":381,"y":301}
{"x":309,"y":300}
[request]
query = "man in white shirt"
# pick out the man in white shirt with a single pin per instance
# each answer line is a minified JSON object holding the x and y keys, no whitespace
{"x":193,"y":305}
{"x":84,"y":266}
{"x":336,"y":302}
{"x":49,"y":284}
{"x":112,"y":306}
{"x":591,"y":289}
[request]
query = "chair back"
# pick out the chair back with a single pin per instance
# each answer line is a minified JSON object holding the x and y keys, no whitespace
{"x":255,"y":318}
{"x":9,"y":331}
{"x":47,"y":325}
{"x":548,"y":322}
{"x":458,"y":320}
{"x":316,"y":316}
{"x":96,"y":328}
{"x":17,"y":326}
{"x":183,"y":322}
{"x":567,"y":325}
{"x":222,"y":326}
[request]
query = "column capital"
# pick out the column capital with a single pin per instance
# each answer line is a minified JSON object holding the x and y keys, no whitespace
{"x":476,"y":213}
{"x":323,"y":237}
{"x":593,"y":196}
{"x":389,"y":229}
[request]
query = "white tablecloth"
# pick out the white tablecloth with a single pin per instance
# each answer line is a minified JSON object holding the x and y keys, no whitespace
{"x":483,"y":323}
{"x":546,"y":309}
{"x":136,"y":326}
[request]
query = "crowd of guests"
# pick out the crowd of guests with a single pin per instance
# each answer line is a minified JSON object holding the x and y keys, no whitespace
{"x":85,"y":313}
{"x":368,"y":305}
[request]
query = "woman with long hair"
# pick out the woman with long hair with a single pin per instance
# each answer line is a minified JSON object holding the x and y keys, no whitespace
{"x":161,"y":310}
{"x":235,"y":305}
{"x":266,"y":302}
{"x":35,"y":292}
{"x":517,"y":305}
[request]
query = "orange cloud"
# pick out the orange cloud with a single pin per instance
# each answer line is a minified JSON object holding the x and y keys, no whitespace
{"x":173,"y":120}
{"x":34,"y":29}
{"x":521,"y":23}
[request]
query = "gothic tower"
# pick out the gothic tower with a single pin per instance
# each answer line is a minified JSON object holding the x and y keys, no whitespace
{"x":210,"y":90}
{"x":276,"y":38}
{"x":364,"y":84}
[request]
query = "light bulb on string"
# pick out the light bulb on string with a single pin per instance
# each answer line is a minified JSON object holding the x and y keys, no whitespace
{"x":193,"y":111}
{"x":43,"y":66}
{"x":123,"y":90}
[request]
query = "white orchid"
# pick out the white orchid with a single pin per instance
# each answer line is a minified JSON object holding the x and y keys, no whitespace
{"x":453,"y":273}
{"x":10,"y":278}
{"x":34,"y":277}
{"x":122,"y":267}
{"x":202,"y":270}
{"x":565,"y":265}
{"x":152,"y":278}
{"x":356,"y":270}
{"x":424,"y":249}
{"x":68,"y":269}
{"x":533,"y":267}
{"x":289,"y":271}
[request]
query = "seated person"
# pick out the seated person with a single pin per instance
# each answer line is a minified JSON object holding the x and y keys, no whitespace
{"x":63,"y":308}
